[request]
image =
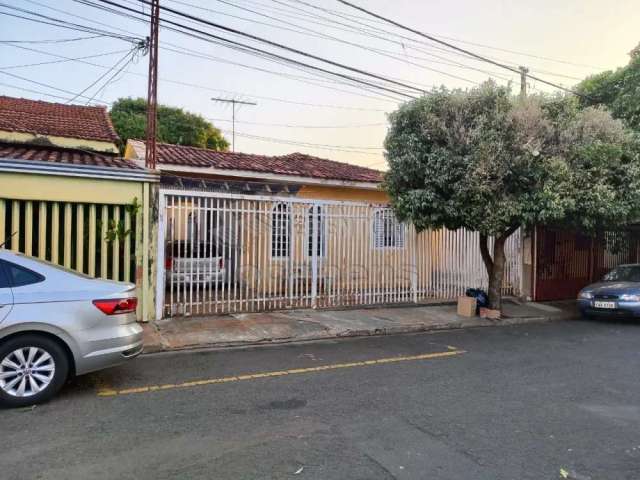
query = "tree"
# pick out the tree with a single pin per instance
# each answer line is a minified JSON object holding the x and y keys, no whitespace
{"x":618,"y":90}
{"x":129,"y":117}
{"x":488,"y":162}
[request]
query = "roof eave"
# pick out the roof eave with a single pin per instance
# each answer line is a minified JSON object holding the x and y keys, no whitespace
{"x":13,"y":165}
{"x":270,"y":176}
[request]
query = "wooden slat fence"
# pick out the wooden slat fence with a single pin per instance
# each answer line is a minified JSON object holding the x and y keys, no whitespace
{"x":73,"y":235}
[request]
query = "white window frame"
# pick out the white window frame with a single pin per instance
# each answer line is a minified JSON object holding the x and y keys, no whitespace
{"x":322,"y":227}
{"x":284,"y":213}
{"x":384,"y":220}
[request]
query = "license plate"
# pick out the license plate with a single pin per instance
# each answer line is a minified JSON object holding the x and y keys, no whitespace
{"x":604,"y":304}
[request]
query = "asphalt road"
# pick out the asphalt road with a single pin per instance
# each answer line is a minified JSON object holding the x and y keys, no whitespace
{"x":517,"y":402}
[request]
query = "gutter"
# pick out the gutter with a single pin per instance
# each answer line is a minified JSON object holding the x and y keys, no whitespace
{"x":83,"y":171}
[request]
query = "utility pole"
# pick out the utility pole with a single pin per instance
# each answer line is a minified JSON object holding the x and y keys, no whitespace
{"x":233,"y":116}
{"x":152,"y":87}
{"x":523,"y":82}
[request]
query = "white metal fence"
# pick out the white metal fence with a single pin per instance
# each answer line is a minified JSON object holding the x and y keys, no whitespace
{"x":232,"y":253}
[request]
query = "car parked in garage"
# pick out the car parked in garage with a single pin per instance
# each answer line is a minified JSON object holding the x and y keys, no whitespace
{"x":55,"y":323}
{"x":616,"y":295}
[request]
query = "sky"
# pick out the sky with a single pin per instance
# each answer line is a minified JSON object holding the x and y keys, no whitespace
{"x":302,"y":110}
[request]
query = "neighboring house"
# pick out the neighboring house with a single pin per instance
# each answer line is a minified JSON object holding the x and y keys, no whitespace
{"x":304,"y":176}
{"x":67,"y":195}
{"x":32,"y":122}
{"x":249,"y":232}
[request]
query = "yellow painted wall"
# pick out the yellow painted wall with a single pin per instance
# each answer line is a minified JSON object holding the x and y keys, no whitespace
{"x":31,"y":186}
{"x":322,"y":192}
{"x":64,"y":142}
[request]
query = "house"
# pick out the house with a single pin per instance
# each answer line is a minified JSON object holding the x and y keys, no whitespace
{"x":66,"y":194}
{"x":244,"y":232}
{"x":57,"y":125}
{"x":301,"y":175}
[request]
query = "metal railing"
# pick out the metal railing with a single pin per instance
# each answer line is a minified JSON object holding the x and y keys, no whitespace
{"x":226,"y":253}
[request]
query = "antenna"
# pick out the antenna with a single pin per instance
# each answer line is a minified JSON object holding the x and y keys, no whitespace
{"x":233,"y":103}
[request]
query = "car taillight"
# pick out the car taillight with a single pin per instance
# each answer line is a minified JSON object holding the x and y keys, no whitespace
{"x":116,"y":306}
{"x":221,"y":263}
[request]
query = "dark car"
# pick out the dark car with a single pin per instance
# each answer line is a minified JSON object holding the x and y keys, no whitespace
{"x":616,"y":295}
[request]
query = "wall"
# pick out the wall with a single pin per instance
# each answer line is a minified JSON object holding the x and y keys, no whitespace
{"x":321,"y":192}
{"x":65,"y":219}
{"x":64,"y":142}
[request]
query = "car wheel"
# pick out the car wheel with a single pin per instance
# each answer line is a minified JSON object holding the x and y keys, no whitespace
{"x":33,"y":368}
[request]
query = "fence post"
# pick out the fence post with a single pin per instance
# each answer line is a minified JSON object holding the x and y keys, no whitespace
{"x":314,"y":256}
{"x":414,"y":264}
{"x":146,"y":209}
{"x":160,"y":270}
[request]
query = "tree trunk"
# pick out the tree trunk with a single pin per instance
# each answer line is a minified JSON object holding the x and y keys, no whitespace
{"x":496,"y":274}
{"x":494,"y":265}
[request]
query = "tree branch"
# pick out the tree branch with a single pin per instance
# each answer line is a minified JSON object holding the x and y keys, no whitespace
{"x":484,"y":251}
{"x":509,"y":231}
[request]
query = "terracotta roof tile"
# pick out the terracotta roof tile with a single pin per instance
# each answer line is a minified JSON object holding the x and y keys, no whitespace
{"x":294,"y":164}
{"x":65,"y":156}
{"x":46,"y":118}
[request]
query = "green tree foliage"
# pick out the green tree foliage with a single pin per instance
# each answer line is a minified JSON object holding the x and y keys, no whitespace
{"x":129,"y":117}
{"x":488,"y":162}
{"x":618,"y":90}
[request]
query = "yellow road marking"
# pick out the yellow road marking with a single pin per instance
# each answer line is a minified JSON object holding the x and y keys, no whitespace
{"x":111,"y":392}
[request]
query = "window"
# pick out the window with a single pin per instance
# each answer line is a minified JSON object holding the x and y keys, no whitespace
{"x":4,"y":281}
{"x":280,"y":231}
{"x":387,"y":231}
{"x":322,"y":246}
{"x":625,"y":273}
{"x":20,"y":276}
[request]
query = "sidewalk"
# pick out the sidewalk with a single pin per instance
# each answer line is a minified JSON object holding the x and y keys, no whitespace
{"x":301,"y":325}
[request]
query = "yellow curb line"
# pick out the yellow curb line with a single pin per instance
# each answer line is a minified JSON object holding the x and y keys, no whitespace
{"x":110,"y":392}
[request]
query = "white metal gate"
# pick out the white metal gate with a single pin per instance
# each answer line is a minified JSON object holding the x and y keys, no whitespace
{"x":226,"y":253}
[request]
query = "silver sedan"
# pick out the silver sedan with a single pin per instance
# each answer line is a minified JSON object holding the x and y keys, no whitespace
{"x":55,"y":323}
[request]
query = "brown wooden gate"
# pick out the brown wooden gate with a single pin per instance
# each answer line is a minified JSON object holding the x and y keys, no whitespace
{"x":567,"y":261}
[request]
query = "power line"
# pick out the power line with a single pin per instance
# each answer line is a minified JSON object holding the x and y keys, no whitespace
{"x":37,"y":92}
{"x":207,"y":88}
{"x":246,"y":51}
{"x":60,"y":40}
{"x":467,"y":52}
{"x":63,"y":23}
{"x":194,"y":53}
{"x":63,"y":60}
{"x":384,"y":35}
{"x":25,"y":79}
{"x":289,"y":125}
{"x":252,"y":50}
{"x":317,"y":34}
{"x":130,"y":53}
{"x":335,"y":148}
{"x":113,"y":77}
{"x":492,"y":47}
{"x":281,"y":46}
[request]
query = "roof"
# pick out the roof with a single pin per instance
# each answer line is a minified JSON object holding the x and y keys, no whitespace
{"x":46,"y":118}
{"x":294,"y":164}
{"x":67,"y":156}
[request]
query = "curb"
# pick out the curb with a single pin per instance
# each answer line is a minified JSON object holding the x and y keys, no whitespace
{"x":400,"y":330}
